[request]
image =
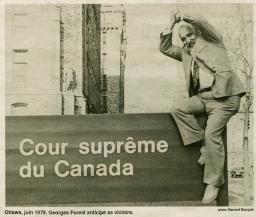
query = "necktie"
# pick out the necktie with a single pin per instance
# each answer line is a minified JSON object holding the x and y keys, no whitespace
{"x":195,"y":76}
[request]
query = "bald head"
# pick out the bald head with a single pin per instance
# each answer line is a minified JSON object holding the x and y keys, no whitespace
{"x":188,"y":35}
{"x":187,"y":27}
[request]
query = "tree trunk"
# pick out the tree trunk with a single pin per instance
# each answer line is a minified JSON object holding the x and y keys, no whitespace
{"x":246,"y":149}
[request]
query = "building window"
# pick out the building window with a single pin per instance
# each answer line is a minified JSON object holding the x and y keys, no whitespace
{"x":19,"y":67}
{"x":104,"y":82}
{"x":104,"y":104}
{"x":20,"y":21}
{"x":20,"y":56}
{"x":19,"y":108}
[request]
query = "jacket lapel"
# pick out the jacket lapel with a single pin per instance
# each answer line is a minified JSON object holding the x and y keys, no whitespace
{"x":187,"y":59}
{"x":199,"y":46}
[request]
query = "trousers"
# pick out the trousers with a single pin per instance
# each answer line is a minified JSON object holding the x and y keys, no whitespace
{"x":219,"y":111}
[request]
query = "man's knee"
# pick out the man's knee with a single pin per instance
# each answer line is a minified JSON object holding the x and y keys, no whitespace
{"x":179,"y":109}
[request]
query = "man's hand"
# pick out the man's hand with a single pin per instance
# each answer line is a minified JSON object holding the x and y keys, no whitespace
{"x":175,"y":18}
{"x":178,"y":17}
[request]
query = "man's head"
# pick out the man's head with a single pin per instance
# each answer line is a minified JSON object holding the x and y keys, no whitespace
{"x":188,"y":35}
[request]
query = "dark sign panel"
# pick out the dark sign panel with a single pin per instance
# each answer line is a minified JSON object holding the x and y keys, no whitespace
{"x":53,"y":160}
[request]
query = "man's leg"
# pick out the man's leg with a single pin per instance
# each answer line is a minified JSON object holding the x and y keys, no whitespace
{"x":184,"y":117}
{"x":219,"y":114}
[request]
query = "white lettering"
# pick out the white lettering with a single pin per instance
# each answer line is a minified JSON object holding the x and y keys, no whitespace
{"x":22,"y":151}
{"x":83,"y":148}
{"x":57,"y":169}
{"x":162,"y":146}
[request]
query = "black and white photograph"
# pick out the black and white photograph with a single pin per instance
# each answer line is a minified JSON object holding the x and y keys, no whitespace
{"x":129,"y":105}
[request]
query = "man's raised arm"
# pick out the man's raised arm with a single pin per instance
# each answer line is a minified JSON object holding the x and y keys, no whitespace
{"x":208,"y":32}
{"x":166,"y":45}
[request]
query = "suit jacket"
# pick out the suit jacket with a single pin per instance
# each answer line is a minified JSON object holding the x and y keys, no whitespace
{"x":211,"y":56}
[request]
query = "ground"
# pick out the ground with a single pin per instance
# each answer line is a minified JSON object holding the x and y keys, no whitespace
{"x":236,"y":194}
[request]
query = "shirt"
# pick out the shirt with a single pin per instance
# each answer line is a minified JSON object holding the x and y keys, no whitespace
{"x":205,"y":77}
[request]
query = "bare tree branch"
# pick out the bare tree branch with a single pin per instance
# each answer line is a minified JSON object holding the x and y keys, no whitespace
{"x":243,"y":58}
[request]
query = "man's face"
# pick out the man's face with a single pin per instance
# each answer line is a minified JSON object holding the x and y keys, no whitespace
{"x":188,"y":36}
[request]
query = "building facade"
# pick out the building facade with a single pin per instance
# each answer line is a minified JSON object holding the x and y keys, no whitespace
{"x":53,"y":59}
{"x":113,"y":54}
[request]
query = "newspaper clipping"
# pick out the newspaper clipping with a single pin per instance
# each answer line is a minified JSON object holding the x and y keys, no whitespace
{"x":139,"y":108}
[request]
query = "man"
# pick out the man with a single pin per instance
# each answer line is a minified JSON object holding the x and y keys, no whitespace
{"x":213,"y":88}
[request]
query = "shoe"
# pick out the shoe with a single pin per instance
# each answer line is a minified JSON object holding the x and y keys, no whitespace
{"x":202,"y":157}
{"x":210,"y":194}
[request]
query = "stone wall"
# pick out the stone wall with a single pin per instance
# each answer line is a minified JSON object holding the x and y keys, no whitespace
{"x":71,"y":52}
{"x":92,"y":58}
{"x":113,"y":92}
{"x":81,"y":58}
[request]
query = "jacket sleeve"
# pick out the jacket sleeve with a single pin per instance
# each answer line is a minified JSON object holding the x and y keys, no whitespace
{"x":167,"y":47}
{"x":208,"y":32}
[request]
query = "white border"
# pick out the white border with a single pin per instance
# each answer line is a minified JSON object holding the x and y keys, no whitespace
{"x":138,"y":211}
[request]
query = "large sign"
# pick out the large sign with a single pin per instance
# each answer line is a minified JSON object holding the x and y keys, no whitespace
{"x":54,"y":160}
